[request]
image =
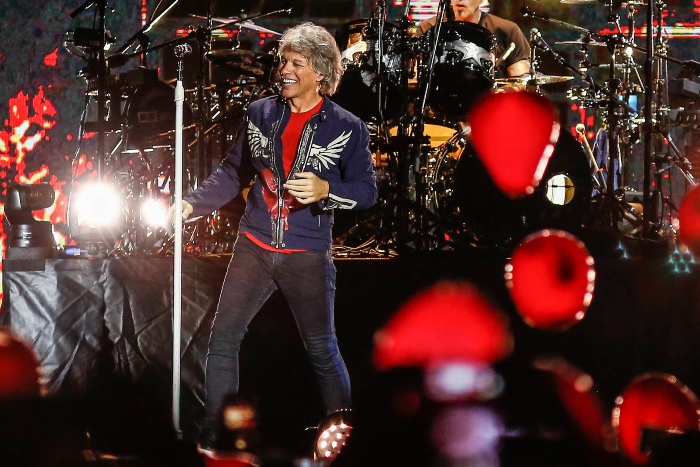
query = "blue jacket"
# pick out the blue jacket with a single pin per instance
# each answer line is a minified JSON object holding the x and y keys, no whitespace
{"x":334,"y":145}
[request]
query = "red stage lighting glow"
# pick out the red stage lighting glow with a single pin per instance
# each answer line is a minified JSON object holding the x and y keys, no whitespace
{"x":689,"y":220}
{"x":30,"y":118}
{"x":576,"y":391}
{"x":551,"y":279}
{"x":654,"y":401}
{"x":450,"y":322}
{"x":517,"y":162}
{"x":19,"y":375}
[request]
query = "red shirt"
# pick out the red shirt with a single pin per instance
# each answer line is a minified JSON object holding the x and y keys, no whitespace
{"x":292,"y":135}
{"x":290,"y":144}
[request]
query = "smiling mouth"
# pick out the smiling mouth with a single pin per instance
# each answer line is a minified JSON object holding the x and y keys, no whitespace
{"x":288,"y":81}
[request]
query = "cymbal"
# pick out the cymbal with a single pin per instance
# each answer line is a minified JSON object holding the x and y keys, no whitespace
{"x":617,"y":65}
{"x":583,"y":42}
{"x":616,"y":3}
{"x":540,"y":79}
{"x":245,"y":24}
{"x":245,"y":62}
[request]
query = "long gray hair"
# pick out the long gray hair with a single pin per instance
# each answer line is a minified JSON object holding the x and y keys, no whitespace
{"x":317,"y":46}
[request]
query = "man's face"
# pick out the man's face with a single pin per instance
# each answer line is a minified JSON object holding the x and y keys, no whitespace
{"x":299,"y":80}
{"x":464,"y":9}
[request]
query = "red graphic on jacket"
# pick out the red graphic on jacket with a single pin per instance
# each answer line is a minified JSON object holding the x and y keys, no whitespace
{"x":270,"y":195}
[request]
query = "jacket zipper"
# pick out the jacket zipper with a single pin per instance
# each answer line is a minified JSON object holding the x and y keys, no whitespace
{"x":277,"y":238}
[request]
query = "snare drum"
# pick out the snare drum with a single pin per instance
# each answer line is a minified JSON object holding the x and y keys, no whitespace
{"x":358,"y":88}
{"x":464,"y":68}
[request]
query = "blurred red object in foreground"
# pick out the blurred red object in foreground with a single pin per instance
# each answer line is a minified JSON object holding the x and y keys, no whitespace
{"x":449,"y":322}
{"x":19,"y":375}
{"x":655,"y":401}
{"x":514,"y":134}
{"x":551,"y":279}
{"x":230,"y":460}
{"x":576,"y":391}
{"x":689,"y":217}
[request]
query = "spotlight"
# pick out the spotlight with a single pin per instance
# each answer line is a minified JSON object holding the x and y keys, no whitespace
{"x":155,"y":213}
{"x":333,"y":433}
{"x":96,"y":215}
{"x":28,"y":237}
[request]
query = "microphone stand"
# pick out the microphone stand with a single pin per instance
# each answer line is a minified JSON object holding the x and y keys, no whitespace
{"x":177,"y":265}
{"x":649,"y":216}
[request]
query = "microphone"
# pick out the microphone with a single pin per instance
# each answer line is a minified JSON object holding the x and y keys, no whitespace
{"x":538,"y":40}
{"x":183,"y":50}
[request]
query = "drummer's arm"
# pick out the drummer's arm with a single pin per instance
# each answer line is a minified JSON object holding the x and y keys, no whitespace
{"x":519,"y":68}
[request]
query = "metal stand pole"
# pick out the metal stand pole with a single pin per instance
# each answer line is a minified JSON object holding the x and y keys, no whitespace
{"x":180,"y":52}
{"x":649,"y":215}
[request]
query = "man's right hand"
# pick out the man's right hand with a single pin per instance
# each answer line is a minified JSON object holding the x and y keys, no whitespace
{"x":187,"y":209}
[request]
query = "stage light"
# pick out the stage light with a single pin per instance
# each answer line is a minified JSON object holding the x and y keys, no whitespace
{"x":652,"y":401}
{"x":551,"y":278}
{"x":332,"y":435}
{"x":516,"y":163}
{"x":450,"y":322}
{"x":155,"y":213}
{"x":97,"y":205}
{"x":29,"y":238}
{"x":96,"y":218}
{"x":19,"y":375}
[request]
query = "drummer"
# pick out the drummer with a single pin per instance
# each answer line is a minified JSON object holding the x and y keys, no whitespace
{"x":510,"y":40}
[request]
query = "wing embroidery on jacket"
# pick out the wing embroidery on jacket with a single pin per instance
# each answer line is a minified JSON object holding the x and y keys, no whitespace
{"x":257,"y":141}
{"x":327,"y":156}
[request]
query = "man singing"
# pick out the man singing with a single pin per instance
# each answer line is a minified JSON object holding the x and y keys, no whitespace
{"x":307,"y":156}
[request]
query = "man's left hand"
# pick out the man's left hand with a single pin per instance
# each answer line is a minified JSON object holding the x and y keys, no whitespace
{"x":307,"y":188}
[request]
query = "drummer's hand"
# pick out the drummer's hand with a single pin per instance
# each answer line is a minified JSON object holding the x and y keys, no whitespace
{"x":307,"y":188}
{"x":187,"y":209}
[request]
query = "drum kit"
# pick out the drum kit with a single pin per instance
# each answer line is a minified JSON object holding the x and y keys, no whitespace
{"x":414,"y":93}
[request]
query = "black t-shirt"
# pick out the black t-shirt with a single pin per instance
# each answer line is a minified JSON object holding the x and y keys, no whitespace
{"x":505,"y":32}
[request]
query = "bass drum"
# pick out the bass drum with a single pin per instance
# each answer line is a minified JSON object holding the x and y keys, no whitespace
{"x":467,"y":201}
{"x":464,"y":68}
{"x":358,"y":87}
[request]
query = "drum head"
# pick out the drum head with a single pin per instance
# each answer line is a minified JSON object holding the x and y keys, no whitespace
{"x":468,"y":32}
{"x":358,"y":91}
{"x":463,"y":71}
{"x":561,"y":200}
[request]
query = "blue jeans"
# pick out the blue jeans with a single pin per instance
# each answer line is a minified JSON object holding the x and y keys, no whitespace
{"x":307,"y":280}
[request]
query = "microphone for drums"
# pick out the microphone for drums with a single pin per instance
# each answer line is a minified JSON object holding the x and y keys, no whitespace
{"x":183,"y":50}
{"x":537,"y":39}
{"x":531,"y":14}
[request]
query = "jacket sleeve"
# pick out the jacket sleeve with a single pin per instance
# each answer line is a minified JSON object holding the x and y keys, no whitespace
{"x":357,"y":187}
{"x":224,"y":184}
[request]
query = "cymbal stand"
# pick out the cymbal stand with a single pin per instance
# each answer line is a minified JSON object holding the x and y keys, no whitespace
{"x":100,"y":66}
{"x":674,"y":156}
